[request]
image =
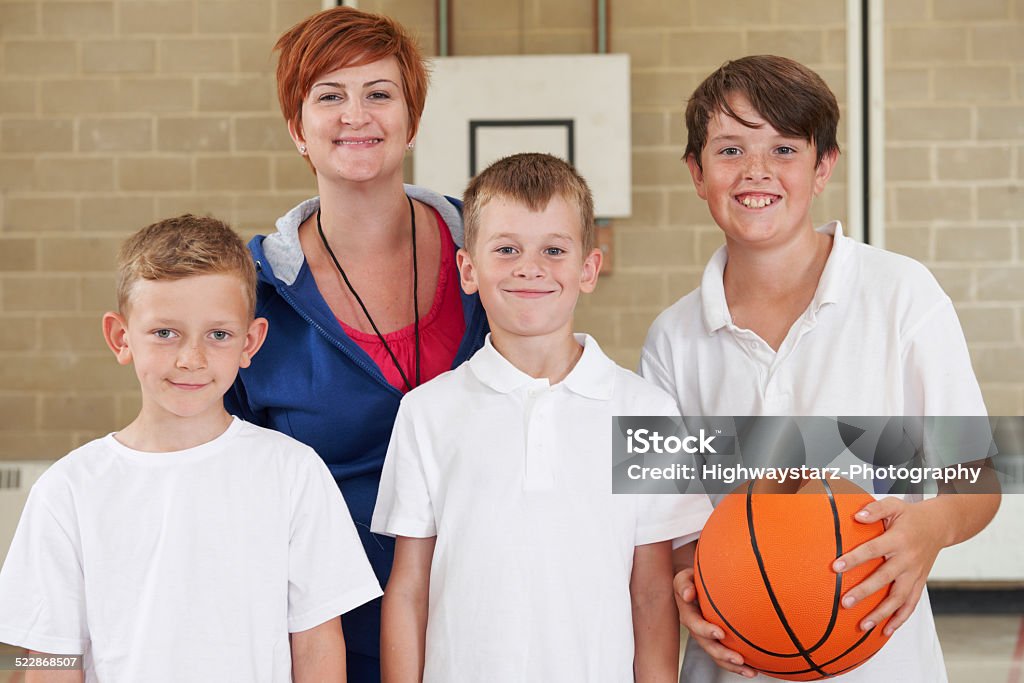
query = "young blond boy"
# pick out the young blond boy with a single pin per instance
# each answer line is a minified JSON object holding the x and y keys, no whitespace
{"x":189,"y":546}
{"x":790,"y":319}
{"x":514,"y":561}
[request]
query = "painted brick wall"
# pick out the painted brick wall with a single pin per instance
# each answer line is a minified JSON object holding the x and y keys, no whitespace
{"x":955,"y":169}
{"x":673,"y":44}
{"x":116,"y":112}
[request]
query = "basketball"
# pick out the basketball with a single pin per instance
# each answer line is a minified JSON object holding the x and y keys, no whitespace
{"x":763,"y":572}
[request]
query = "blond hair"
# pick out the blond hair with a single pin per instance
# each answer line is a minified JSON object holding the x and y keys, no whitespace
{"x":531,"y":179}
{"x":180,"y":247}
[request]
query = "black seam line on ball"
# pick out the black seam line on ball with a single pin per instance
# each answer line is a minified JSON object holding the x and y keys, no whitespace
{"x":728,"y":624}
{"x":839,"y":577}
{"x":833,"y":660}
{"x":851,"y":649}
{"x":781,"y":655}
{"x":714,"y":606}
{"x":707,"y":593}
{"x":768,"y":586}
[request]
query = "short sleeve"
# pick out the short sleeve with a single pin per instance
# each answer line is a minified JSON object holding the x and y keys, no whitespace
{"x":42,"y":587}
{"x":937,"y":372}
{"x":653,"y":369}
{"x":328,"y":573}
{"x":938,"y":382}
{"x":404,"y":506}
{"x":668,"y":516}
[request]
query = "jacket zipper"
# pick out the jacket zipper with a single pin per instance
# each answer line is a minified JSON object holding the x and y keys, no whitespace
{"x":373,"y":372}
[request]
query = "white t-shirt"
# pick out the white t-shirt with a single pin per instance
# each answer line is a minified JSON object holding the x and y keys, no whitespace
{"x":186,"y":566}
{"x":880,"y":337}
{"x":531,"y":567}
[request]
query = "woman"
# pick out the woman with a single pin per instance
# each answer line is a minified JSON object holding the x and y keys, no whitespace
{"x":359,"y":284}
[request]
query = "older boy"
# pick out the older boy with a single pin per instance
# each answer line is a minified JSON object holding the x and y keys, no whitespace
{"x":189,"y":546}
{"x":514,"y":561}
{"x":793,"y":320}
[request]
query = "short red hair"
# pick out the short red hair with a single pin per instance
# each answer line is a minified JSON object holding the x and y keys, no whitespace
{"x":340,"y":37}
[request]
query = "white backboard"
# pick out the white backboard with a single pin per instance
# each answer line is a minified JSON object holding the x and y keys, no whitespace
{"x":576,"y":107}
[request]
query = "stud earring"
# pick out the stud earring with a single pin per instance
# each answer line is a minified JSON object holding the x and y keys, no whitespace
{"x":410,"y":145}
{"x":302,"y":150}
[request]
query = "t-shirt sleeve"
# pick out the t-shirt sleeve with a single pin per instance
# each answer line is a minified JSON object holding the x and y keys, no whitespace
{"x":939,"y":381}
{"x":42,"y":587}
{"x":404,"y":506}
{"x":328,"y":573}
{"x":667,"y":516}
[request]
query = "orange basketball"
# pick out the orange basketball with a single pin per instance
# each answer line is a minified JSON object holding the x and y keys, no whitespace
{"x":763,"y":572}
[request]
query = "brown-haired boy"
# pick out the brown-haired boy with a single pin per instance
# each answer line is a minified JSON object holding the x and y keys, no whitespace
{"x":794,"y":320}
{"x":189,"y":545}
{"x":514,"y":561}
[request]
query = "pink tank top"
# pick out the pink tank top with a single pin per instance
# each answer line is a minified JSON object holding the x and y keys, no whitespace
{"x":441,"y":328}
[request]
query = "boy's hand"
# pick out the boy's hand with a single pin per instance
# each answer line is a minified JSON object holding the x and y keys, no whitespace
{"x":705,"y":633}
{"x":913,"y":537}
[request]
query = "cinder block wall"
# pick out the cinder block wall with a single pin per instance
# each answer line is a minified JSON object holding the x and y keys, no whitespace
{"x":955,"y":162}
{"x":660,"y":251}
{"x":116,"y":112}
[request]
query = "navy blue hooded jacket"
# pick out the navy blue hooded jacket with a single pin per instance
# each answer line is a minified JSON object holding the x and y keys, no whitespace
{"x":310,"y":381}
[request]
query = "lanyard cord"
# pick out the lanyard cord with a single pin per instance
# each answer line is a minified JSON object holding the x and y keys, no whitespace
{"x":415,"y":296}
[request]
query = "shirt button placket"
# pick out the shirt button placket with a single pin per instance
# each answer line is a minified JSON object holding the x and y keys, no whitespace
{"x":538,"y":466}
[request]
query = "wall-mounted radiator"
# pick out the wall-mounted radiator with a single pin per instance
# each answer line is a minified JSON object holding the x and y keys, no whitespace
{"x":16,"y":478}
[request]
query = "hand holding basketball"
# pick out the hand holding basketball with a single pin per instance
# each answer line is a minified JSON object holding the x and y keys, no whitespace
{"x":914,"y":535}
{"x":705,"y":633}
{"x":763,"y":571}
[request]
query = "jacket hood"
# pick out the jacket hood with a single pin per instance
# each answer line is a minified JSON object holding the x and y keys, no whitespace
{"x":282,"y":252}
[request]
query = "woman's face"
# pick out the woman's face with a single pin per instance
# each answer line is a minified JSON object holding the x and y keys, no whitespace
{"x":355,"y":124}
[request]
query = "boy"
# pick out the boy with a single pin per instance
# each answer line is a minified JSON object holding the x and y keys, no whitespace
{"x":514,"y":561}
{"x":189,"y":546}
{"x":790,"y":320}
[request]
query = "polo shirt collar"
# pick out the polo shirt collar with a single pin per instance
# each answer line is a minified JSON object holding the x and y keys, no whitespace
{"x":594,"y":374}
{"x":592,"y":377}
{"x":713,"y":306}
{"x":715,"y":309}
{"x":834,"y":281}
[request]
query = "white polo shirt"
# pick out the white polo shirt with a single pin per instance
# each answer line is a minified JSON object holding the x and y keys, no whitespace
{"x":880,"y":337}
{"x":531,"y":568}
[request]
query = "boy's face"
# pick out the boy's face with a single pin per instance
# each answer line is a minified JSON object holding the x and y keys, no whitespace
{"x":758,"y":183}
{"x":529,"y":267}
{"x":187,"y":338}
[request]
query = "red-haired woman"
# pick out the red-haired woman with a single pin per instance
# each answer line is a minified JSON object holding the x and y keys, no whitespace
{"x":359,"y":283}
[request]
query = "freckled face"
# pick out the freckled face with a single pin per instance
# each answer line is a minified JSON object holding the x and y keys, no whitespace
{"x":355,"y":124}
{"x":758,"y":183}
